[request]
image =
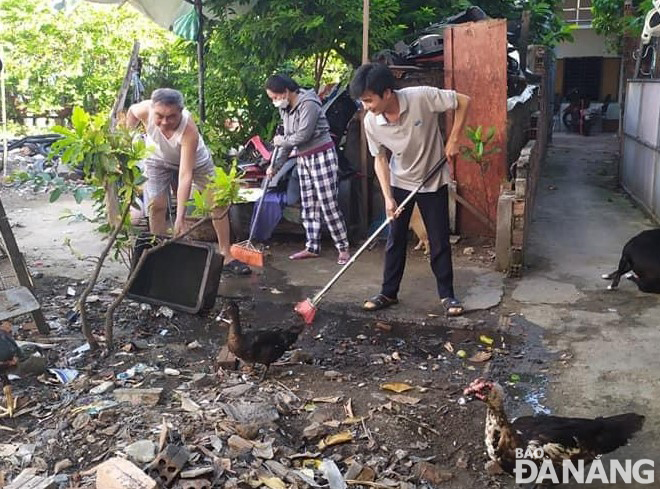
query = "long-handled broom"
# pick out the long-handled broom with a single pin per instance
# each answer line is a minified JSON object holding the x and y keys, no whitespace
{"x":246,"y":251}
{"x":307,"y":308}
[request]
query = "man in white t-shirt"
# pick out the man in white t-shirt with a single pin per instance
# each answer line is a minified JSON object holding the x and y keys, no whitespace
{"x":405,"y":122}
{"x":179,"y":157}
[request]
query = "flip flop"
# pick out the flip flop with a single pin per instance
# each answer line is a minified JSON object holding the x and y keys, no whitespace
{"x":343,"y":258}
{"x":453,"y":307}
{"x":378,"y":302}
{"x":303,"y":255}
{"x":237,"y":268}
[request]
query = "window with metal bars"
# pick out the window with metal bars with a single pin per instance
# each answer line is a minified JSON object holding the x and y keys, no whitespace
{"x":583,"y":74}
{"x":577,"y":12}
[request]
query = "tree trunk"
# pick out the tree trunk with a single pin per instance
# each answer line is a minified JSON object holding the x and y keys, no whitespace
{"x":112,"y":204}
{"x":82,"y":302}
{"x":320,"y":62}
{"x":317,"y":70}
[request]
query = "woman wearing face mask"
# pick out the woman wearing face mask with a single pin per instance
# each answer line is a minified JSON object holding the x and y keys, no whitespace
{"x":307,"y":133}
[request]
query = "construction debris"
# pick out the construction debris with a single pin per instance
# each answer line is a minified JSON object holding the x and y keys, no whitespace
{"x":169,"y":411}
{"x":118,"y":473}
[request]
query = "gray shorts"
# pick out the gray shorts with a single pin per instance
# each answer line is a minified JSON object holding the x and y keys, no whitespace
{"x":161,"y":175}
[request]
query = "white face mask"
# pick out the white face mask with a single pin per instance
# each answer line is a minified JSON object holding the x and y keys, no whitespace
{"x":282,"y":103}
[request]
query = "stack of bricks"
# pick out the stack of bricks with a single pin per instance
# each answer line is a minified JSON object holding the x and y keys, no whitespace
{"x":516,"y":201}
{"x":522,"y":206}
{"x":514,"y":213}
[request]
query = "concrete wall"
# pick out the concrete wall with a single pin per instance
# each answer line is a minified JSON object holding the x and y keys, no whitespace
{"x":519,"y":125}
{"x":514,"y":212}
{"x":586,"y":43}
{"x":610,"y":81}
{"x":516,"y":201}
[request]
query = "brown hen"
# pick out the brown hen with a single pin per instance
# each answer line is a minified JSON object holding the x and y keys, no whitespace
{"x":257,"y":346}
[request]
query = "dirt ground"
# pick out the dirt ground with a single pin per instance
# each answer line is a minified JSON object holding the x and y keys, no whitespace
{"x":347,"y":357}
{"x":350,"y":358}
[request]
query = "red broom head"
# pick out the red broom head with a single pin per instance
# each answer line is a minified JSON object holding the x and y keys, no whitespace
{"x":306,"y":310}
{"x":250,"y":256}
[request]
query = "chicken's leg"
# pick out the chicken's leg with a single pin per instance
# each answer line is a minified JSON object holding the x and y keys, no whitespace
{"x":11,"y":402}
{"x":263,"y":375}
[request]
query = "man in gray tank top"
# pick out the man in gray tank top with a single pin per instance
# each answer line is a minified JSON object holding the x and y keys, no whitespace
{"x":179,"y":156}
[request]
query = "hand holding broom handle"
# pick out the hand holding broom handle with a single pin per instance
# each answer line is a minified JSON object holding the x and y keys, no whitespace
{"x":246,"y":251}
{"x":307,"y":308}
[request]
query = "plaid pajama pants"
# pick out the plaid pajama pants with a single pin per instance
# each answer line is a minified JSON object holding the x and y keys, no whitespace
{"x":318,"y":194}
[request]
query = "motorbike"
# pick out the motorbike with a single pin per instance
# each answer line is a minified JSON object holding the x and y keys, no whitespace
{"x":39,"y":144}
{"x":579,"y":116}
{"x":575,"y":117}
{"x":284,"y":187}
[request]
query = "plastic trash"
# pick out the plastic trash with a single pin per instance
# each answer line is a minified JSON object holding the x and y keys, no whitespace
{"x":79,"y":352}
{"x":331,"y":473}
{"x":72,"y":316}
{"x":64,"y":375}
{"x":165,"y":311}
{"x":99,"y":406}
{"x":130,"y":373}
{"x":82,"y":349}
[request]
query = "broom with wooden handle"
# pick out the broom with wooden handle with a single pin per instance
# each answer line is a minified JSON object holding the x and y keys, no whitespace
{"x":246,"y":251}
{"x":307,"y":308}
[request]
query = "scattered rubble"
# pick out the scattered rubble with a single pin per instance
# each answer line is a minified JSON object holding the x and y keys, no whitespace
{"x":142,"y":451}
{"x":172,"y":410}
{"x":118,"y":473}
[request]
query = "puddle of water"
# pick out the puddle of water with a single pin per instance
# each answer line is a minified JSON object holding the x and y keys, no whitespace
{"x":531,"y":389}
{"x":534,"y":400}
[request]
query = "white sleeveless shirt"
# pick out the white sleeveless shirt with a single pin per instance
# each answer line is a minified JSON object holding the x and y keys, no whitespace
{"x":168,"y":150}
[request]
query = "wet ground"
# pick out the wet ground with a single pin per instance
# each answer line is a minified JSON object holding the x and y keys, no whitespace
{"x":582,"y":219}
{"x":352,"y":354}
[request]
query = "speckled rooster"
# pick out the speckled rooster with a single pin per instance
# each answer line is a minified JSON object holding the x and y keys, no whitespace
{"x":559,"y":438}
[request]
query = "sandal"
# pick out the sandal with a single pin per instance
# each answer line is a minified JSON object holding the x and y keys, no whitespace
{"x":343,"y":258}
{"x":453,"y":307}
{"x":378,"y":302}
{"x":303,"y":255}
{"x":237,"y":268}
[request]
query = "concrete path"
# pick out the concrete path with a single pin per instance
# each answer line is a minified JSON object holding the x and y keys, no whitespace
{"x":54,"y":244}
{"x":610,"y":340}
{"x":58,"y":247}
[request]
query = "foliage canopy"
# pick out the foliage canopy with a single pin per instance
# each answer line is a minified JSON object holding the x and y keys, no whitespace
{"x":609,"y":19}
{"x":57,"y":60}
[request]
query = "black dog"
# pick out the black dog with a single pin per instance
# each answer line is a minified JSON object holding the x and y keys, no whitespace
{"x":640,"y":260}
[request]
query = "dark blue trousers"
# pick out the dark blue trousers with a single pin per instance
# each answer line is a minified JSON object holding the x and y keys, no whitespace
{"x":434,"y":207}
